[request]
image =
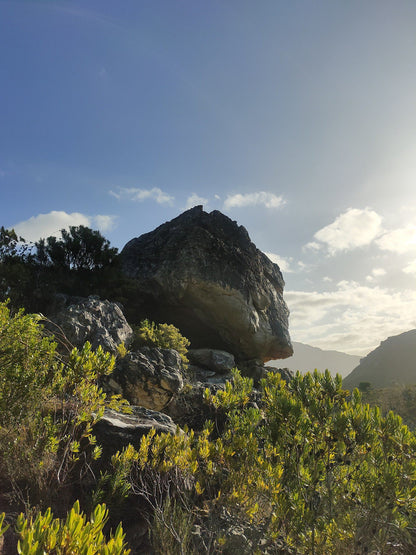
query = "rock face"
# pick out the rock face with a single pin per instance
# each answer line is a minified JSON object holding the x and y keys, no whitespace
{"x":212,"y":359}
{"x":149,"y":377}
{"x":202,"y":273}
{"x":99,"y":322}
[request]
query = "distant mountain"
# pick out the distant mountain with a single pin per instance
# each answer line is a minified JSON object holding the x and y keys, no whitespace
{"x":307,"y":358}
{"x":392,"y":363}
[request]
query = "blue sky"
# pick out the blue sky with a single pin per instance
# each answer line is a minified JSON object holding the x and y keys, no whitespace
{"x":295,"y":118}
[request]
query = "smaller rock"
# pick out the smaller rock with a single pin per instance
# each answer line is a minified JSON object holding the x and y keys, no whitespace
{"x":189,"y":408}
{"x":256,"y":370}
{"x":286,"y":374}
{"x":198,"y":374}
{"x":212,"y":359}
{"x":149,"y":377}
{"x":102,"y":323}
{"x":116,"y":430}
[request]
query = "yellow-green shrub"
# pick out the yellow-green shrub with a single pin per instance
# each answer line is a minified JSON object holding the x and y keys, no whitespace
{"x":48,"y":403}
{"x":75,"y":535}
{"x":163,"y":336}
{"x":317,"y":469}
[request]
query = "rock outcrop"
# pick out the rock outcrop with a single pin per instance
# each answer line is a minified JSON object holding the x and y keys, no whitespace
{"x":99,"y":322}
{"x":202,"y":273}
{"x":149,"y":377}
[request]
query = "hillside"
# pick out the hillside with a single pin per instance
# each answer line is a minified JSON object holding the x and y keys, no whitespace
{"x":307,"y":358}
{"x":107,"y":416}
{"x":392,"y":363}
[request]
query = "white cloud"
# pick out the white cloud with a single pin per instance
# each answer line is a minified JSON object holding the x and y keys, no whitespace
{"x":103,"y":222}
{"x":195,"y":200}
{"x":352,"y":229}
{"x":139,"y":195}
{"x":269,"y":200}
{"x":283,"y":263}
{"x":45,"y":225}
{"x":313,"y":245}
{"x":375,"y":273}
{"x":399,"y":240}
{"x":352,"y":318}
{"x":410,"y":268}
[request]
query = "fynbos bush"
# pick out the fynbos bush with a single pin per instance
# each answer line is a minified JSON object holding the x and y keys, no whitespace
{"x":163,"y":336}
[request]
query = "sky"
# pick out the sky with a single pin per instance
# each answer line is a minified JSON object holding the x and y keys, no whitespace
{"x":295,"y":118}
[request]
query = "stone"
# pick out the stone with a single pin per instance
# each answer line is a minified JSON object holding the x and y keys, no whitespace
{"x":189,"y":408}
{"x":212,"y":359}
{"x":102,"y":323}
{"x":116,"y":430}
{"x":149,"y":377}
{"x":202,"y":273}
{"x":256,"y":370}
{"x":286,"y":373}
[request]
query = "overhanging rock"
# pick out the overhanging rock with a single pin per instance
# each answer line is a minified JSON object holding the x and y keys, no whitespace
{"x":202,"y":273}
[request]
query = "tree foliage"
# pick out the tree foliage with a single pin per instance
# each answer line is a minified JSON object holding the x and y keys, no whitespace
{"x":80,"y":262}
{"x":79,"y":248}
{"x":9,"y":245}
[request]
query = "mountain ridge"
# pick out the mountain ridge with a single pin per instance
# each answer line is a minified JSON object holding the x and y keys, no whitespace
{"x":306,"y":358}
{"x":393,"y":362}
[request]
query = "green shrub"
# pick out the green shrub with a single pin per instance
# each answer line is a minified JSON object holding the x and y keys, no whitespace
{"x":313,"y":469}
{"x":48,"y":404}
{"x":114,"y":485}
{"x":163,"y":336}
{"x":3,"y":527}
{"x":171,"y":529}
{"x":74,"y":535}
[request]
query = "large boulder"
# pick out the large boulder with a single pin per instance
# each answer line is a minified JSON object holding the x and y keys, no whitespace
{"x":202,"y":273}
{"x":102,"y":323}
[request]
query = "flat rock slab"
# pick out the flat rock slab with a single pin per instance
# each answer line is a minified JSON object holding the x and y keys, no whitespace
{"x":117,"y":430}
